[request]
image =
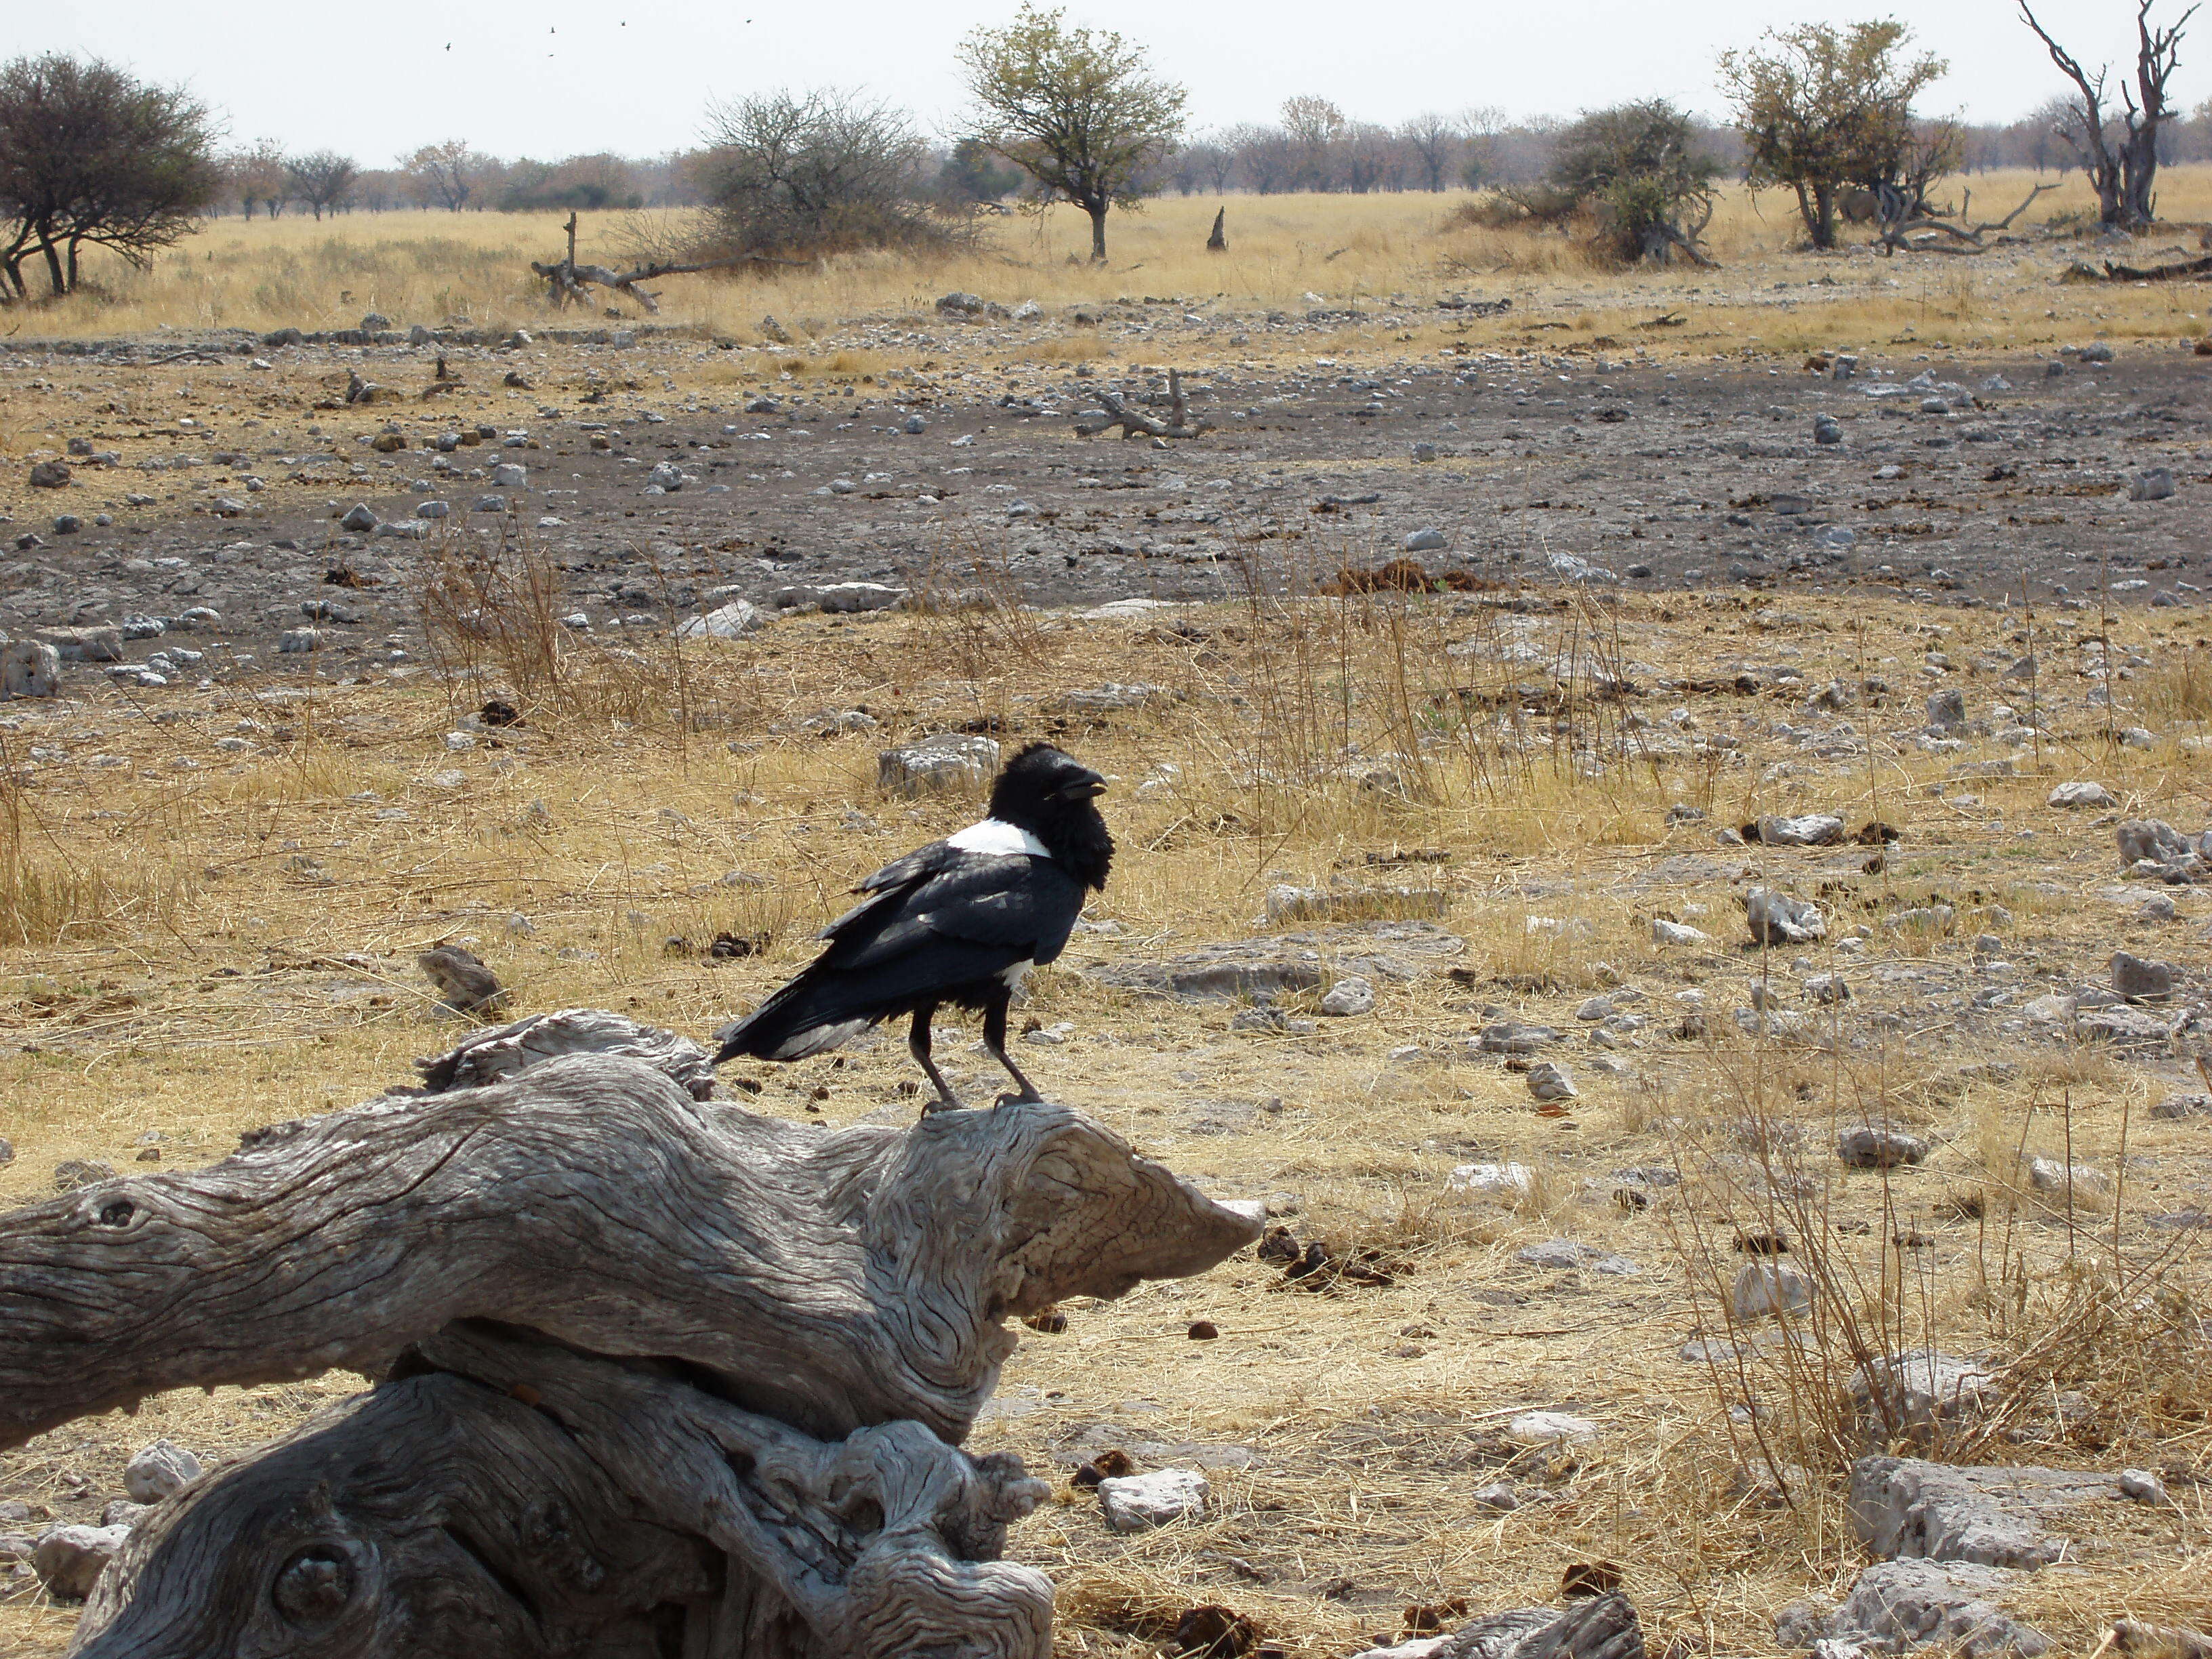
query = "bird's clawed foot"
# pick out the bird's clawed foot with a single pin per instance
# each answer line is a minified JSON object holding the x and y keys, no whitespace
{"x":1028,"y":1097}
{"x":947,"y":1101}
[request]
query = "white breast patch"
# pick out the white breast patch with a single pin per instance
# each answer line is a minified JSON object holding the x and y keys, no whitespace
{"x":997,"y":837}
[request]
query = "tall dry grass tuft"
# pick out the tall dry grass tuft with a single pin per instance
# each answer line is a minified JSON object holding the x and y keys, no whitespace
{"x":51,"y":894}
{"x":492,"y":611}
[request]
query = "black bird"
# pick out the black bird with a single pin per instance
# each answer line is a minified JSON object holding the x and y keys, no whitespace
{"x":960,"y":921}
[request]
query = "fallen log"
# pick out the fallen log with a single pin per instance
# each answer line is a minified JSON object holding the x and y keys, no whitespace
{"x":566,"y":279}
{"x":2178,"y":272}
{"x":1898,"y":223}
{"x":653,"y":1373}
{"x":1134,"y":424}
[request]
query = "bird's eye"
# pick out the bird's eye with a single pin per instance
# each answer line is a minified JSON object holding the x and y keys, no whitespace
{"x":313,"y":1587}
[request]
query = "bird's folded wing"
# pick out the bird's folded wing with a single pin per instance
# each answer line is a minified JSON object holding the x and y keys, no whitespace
{"x":1023,"y":906}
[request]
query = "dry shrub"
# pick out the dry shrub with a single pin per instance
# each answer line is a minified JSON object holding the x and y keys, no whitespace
{"x":491,"y":623}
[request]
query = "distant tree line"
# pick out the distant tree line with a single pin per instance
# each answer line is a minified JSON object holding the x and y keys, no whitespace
{"x":264,"y":179}
{"x":93,"y":157}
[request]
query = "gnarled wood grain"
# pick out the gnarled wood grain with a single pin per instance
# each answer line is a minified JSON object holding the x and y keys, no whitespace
{"x":524,"y":1499}
{"x":828,"y":1278}
{"x":660,"y":1376}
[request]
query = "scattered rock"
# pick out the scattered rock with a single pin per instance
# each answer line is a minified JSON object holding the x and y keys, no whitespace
{"x":1508,"y":1181}
{"x":2178,"y":1106}
{"x":2141,"y":1486}
{"x":1829,"y":990}
{"x":730,"y":622}
{"x":1511,"y":1036}
{"x":359,"y":518}
{"x":1917,"y":1604}
{"x":1551,"y":1428}
{"x":29,"y":668}
{"x":1289,"y":904}
{"x":68,"y":1560}
{"x":1813,"y":830}
{"x":1947,"y":708}
{"x":842,"y":598}
{"x":1904,"y":1507}
{"x":1573,"y":1255}
{"x":1349,"y":996}
{"x":1879,"y":1148}
{"x":1135,"y":1503}
{"x":159,"y":1470}
{"x":2082,"y":794}
{"x":1776,"y":919}
{"x":2154,"y":484}
{"x":1431,"y":540}
{"x":1549,"y":1081}
{"x":72,"y":1173}
{"x":2140,"y":980}
{"x":950,"y":761}
{"x":50,"y":475}
{"x":96,"y":643}
{"x":1767,"y":1290}
{"x":2051,"y":1175}
{"x":1664,"y":931}
{"x":1915,"y":1394}
{"x":1109,"y":699}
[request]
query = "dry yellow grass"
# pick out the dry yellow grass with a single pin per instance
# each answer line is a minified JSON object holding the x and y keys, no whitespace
{"x":258,"y":969}
{"x":433,"y":267}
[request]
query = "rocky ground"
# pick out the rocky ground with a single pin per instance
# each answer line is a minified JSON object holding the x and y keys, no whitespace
{"x":2069,"y":480}
{"x":1654,"y":1006}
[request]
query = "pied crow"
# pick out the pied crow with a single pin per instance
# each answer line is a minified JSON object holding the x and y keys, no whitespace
{"x":958,"y":922}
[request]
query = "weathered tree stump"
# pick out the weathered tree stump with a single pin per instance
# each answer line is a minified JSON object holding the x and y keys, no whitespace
{"x":655,"y":1375}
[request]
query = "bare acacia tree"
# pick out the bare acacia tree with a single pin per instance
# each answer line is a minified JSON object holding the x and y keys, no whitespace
{"x":1435,"y":142}
{"x":323,"y":179}
{"x":1075,"y":109}
{"x":2122,"y":176}
{"x":445,"y":173}
{"x":256,"y":177}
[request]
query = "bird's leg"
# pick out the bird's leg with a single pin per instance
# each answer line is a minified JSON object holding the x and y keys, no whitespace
{"x":917,"y":1044}
{"x":994,"y":1044}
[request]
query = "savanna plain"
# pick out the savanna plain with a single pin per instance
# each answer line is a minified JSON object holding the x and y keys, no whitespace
{"x":1475,"y":673}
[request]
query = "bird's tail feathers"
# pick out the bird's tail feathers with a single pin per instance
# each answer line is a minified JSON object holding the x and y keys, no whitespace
{"x":800,"y":1019}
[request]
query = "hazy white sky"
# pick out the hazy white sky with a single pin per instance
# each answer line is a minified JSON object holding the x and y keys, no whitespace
{"x":560,"y":76}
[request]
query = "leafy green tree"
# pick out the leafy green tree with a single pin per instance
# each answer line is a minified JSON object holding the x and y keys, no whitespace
{"x":91,"y":156}
{"x":1638,"y":169}
{"x":1824,"y":107}
{"x":973,"y":173}
{"x":1074,"y":108}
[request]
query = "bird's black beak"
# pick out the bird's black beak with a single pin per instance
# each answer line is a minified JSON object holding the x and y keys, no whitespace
{"x":1089,"y":787}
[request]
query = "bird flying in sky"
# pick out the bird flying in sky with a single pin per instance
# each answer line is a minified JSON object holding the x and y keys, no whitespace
{"x":958,"y":922}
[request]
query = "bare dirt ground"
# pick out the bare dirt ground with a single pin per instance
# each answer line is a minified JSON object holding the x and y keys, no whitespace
{"x":216,"y":883}
{"x":1947,"y":475}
